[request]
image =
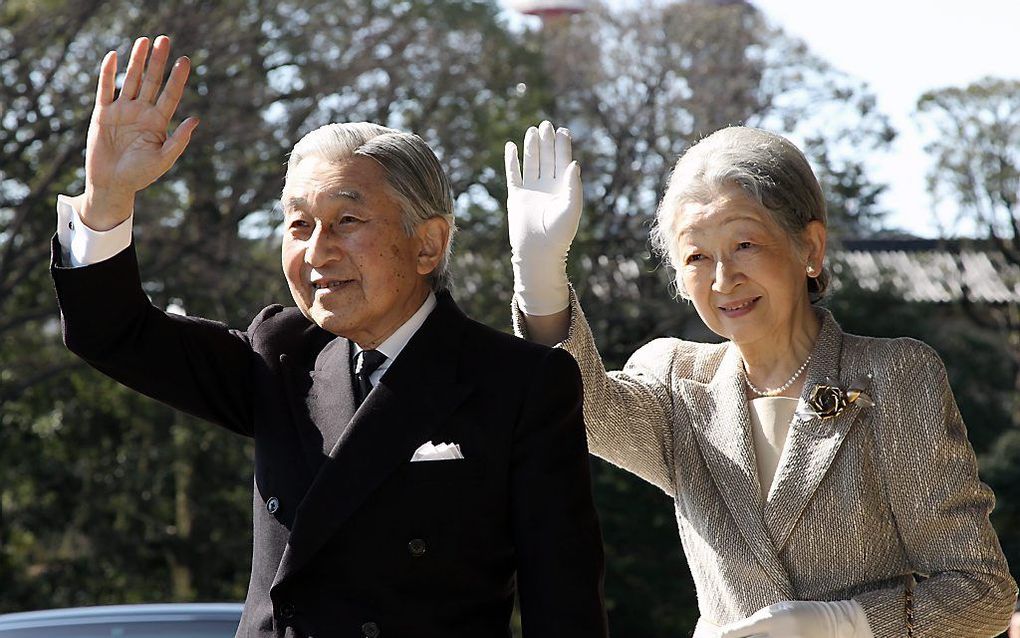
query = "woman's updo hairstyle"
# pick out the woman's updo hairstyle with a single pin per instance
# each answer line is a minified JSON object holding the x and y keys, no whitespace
{"x":767,"y":167}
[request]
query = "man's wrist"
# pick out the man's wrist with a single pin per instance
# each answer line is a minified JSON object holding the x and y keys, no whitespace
{"x":104,"y":209}
{"x":80,"y":244}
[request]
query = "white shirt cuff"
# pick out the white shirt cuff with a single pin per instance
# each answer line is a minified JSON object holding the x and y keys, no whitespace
{"x":82,"y":246}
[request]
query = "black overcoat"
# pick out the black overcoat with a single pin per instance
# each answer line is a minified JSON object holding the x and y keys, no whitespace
{"x":350,"y":538}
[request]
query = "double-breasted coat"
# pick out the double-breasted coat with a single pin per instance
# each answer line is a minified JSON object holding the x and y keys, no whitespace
{"x":351,"y":538}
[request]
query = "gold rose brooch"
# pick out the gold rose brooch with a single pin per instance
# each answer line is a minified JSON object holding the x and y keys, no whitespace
{"x":827,"y":400}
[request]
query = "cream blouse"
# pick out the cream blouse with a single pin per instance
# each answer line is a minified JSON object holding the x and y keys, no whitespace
{"x":770,"y":424}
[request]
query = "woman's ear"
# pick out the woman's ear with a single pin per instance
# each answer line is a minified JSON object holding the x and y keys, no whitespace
{"x":814,"y":240}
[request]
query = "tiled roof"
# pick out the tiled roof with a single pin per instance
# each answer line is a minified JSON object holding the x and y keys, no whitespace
{"x":929,"y":270}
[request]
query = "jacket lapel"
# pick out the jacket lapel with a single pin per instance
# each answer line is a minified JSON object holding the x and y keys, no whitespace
{"x":414,"y":397}
{"x":813,"y":442}
{"x":722,"y":426}
{"x":318,"y":391}
{"x":330,"y":399}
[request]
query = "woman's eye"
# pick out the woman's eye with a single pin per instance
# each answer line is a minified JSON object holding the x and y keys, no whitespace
{"x":695,"y":257}
{"x":744,"y":244}
{"x":347,"y":220}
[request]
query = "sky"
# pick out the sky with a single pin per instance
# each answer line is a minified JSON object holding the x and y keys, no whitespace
{"x":902,"y":48}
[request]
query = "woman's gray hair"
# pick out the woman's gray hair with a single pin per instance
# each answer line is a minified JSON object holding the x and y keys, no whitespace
{"x":414,"y":177}
{"x":767,"y":167}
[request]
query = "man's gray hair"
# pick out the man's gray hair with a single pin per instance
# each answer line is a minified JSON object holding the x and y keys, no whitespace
{"x":414,"y":176}
{"x":770,"y":170}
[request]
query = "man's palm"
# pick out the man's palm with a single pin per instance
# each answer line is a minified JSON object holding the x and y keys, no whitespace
{"x":128,"y":147}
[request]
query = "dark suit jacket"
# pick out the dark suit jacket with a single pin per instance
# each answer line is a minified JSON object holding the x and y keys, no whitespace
{"x":351,"y":539}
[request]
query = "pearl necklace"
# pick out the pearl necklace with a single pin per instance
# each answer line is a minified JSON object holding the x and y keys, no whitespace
{"x":776,"y":391}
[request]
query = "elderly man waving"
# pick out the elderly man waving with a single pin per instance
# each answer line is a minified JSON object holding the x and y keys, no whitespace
{"x":411,"y":465}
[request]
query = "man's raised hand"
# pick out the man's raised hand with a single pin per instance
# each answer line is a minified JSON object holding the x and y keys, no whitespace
{"x":128,"y":147}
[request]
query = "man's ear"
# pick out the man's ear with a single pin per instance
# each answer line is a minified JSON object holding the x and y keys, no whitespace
{"x":433,"y":236}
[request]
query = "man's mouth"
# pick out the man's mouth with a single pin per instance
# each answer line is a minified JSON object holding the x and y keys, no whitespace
{"x":329,"y":284}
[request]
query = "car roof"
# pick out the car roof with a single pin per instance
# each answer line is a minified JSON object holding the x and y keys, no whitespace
{"x":156,"y":612}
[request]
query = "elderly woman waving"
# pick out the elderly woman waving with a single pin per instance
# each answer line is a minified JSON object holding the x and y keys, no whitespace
{"x":823,"y":483}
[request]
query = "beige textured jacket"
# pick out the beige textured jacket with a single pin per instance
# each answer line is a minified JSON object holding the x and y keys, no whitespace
{"x":861,"y":500}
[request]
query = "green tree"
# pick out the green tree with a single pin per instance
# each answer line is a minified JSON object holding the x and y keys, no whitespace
{"x":110,"y":497}
{"x":89,"y":469}
{"x":974,"y":146}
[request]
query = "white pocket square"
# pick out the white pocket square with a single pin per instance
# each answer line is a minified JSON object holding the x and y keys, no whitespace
{"x":441,"y":452}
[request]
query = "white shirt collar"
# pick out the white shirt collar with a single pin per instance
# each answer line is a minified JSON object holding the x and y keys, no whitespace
{"x":394,"y":344}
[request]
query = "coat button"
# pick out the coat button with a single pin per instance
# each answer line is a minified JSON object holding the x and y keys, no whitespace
{"x":370,"y":630}
{"x":287,"y":610}
{"x":272,"y":505}
{"x":417,"y":547}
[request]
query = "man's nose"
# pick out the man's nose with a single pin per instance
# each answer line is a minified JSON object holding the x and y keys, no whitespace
{"x":727,"y":276}
{"x":320,"y":247}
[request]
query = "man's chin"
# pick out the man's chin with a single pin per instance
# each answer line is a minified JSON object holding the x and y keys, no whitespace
{"x":327,"y":320}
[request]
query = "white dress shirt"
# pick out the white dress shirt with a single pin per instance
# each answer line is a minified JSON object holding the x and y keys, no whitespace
{"x":394,"y":343}
{"x":82,"y":246}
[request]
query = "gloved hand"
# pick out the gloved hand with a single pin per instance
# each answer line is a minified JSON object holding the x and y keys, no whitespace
{"x":544,"y":208}
{"x":803,"y":619}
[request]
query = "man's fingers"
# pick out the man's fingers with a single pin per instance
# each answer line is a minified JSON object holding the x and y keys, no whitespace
{"x":547,"y":150}
{"x":136,"y":64}
{"x":513,"y":166}
{"x":174,"y":89}
{"x":531,"y":159}
{"x":154,"y":71}
{"x":107,"y":79}
{"x":176,"y":143}
{"x":564,"y":154}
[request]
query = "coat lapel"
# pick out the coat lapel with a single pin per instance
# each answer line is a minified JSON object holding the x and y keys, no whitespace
{"x":318,"y":391}
{"x":722,"y":426}
{"x":330,"y":399}
{"x":813,"y":442}
{"x":414,"y":397}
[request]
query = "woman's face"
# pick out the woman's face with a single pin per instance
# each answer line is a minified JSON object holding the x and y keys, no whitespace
{"x":744,"y":274}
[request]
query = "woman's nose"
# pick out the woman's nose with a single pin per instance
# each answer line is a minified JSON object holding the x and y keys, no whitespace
{"x":727,"y":276}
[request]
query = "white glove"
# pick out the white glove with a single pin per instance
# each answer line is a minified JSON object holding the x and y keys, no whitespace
{"x":544,"y":208}
{"x":803,"y":619}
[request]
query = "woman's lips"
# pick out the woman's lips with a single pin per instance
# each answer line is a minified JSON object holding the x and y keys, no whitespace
{"x":739,"y":308}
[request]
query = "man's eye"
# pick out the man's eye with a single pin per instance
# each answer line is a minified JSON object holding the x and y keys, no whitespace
{"x":347,"y":222}
{"x":299,"y":228}
{"x":744,"y":244}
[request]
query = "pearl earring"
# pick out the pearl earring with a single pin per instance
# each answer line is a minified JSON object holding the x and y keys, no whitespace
{"x":811,"y":270}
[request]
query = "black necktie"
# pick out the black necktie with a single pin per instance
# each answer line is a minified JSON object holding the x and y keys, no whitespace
{"x":365,"y":363}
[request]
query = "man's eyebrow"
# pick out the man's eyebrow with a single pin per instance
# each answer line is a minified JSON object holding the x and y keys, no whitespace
{"x":354,"y":196}
{"x":296,"y":202}
{"x":293,"y":201}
